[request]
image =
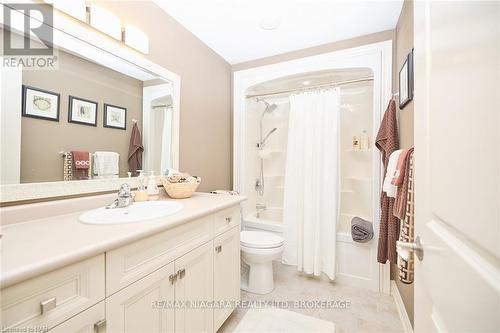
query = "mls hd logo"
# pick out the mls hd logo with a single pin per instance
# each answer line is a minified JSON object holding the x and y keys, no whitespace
{"x":28,"y":36}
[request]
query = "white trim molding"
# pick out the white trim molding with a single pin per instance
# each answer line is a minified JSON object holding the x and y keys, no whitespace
{"x":378,"y":58}
{"x":403,"y":315}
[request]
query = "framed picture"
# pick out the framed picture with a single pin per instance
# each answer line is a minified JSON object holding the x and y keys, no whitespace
{"x":40,"y":104}
{"x":115,"y":116}
{"x":82,"y":111}
{"x":406,"y":81}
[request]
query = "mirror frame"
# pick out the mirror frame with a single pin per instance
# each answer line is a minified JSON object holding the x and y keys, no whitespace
{"x":76,"y":37}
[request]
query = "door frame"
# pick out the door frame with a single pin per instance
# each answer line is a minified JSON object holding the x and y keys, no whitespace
{"x":377,"y":57}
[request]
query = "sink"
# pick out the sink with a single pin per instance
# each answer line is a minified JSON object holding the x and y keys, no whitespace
{"x":137,"y":212}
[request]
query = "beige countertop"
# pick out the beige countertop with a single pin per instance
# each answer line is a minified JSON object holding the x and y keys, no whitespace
{"x":37,"y":246}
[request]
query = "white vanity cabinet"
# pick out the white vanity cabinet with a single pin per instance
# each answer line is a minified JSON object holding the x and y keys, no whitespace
{"x":166,"y":282}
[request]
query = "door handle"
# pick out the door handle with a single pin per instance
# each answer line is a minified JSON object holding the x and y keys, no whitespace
{"x":99,"y":325}
{"x":218,"y":249}
{"x":229,"y":219}
{"x":172,"y":278}
{"x":415,"y":247}
{"x":181,"y":273}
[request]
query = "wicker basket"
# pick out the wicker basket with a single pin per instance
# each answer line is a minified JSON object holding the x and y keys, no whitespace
{"x":179,"y":190}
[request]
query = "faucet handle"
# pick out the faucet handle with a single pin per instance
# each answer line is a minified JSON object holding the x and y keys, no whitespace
{"x":125,"y":190}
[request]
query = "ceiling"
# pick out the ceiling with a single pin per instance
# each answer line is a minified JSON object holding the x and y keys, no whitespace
{"x":232,"y":28}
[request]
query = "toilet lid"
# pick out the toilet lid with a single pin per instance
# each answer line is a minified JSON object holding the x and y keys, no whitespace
{"x":260,"y":239}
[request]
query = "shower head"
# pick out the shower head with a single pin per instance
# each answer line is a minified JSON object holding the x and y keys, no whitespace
{"x":263,"y":141}
{"x":269,"y":107}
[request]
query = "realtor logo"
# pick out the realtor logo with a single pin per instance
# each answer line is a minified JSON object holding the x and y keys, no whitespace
{"x":28,"y":36}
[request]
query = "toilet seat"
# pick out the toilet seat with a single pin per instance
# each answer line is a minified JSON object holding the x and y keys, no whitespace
{"x":260,"y":240}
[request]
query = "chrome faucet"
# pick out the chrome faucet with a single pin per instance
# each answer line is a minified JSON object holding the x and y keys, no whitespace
{"x":260,"y":208}
{"x":125,"y":198}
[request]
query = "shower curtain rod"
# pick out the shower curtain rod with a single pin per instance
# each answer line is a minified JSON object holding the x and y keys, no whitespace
{"x":368,"y":78}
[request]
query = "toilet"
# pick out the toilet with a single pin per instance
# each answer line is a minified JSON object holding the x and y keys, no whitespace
{"x":258,"y":250}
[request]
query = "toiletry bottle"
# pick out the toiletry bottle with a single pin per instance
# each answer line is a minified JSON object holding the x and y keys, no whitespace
{"x":355,"y":143}
{"x":363,"y":142}
{"x":142,"y":194}
{"x":153,"y":191}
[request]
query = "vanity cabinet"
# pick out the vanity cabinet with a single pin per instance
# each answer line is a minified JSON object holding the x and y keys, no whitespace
{"x":226,"y":274}
{"x":162,"y":283}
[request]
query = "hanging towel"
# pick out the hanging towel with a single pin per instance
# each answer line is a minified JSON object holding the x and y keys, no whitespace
{"x":400,"y":202}
{"x":80,"y":164}
{"x":406,"y":258}
{"x":387,"y":186}
{"x":401,"y":167}
{"x":106,"y":164}
{"x":387,"y":142}
{"x":361,"y":230}
{"x":135,"y":150}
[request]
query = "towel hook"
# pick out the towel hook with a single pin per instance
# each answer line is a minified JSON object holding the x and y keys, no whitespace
{"x":134,"y":121}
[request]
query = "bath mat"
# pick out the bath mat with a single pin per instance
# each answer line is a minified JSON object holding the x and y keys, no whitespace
{"x":272,"y":320}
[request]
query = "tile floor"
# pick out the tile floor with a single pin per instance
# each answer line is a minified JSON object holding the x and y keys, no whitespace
{"x":369,"y":312}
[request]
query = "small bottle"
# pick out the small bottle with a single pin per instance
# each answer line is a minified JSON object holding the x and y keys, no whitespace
{"x":363,"y":142}
{"x":153,"y":191}
{"x":141,"y":194}
{"x":355,"y":143}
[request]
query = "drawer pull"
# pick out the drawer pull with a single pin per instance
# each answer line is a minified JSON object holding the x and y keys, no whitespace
{"x":218,"y":249}
{"x":229,"y":219}
{"x":99,"y":326}
{"x":47,"y":305}
{"x":181,"y":273}
{"x":172,"y":278}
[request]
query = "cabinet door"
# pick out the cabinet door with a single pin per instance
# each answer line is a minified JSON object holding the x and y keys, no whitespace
{"x":89,"y":321}
{"x":142,"y":306}
{"x":226,"y":273}
{"x":194,"y":286}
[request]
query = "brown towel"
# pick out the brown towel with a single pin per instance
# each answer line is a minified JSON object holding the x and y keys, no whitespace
{"x":400,"y":202}
{"x":387,"y":141}
{"x":135,"y":150}
{"x":406,"y":266}
{"x":81,"y":164}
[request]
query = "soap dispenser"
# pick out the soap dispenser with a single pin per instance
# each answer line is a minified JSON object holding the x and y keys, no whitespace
{"x":153,"y":191}
{"x":142,"y":194}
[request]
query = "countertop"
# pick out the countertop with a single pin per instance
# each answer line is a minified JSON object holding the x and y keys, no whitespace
{"x":38,"y":246}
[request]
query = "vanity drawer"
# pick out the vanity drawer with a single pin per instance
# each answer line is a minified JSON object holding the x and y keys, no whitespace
{"x":89,"y":321}
{"x":226,"y":219}
{"x":130,"y":263}
{"x":52,"y":298}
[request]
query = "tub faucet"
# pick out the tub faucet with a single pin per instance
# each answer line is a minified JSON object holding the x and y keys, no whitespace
{"x":260,"y":208}
{"x":125,"y":198}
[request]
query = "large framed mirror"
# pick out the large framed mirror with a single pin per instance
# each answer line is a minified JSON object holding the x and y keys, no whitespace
{"x":90,"y":122}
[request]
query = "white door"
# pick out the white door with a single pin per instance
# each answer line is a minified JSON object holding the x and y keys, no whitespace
{"x":226,"y":274}
{"x":457,"y":170}
{"x":194,"y":286}
{"x":143,"y":306}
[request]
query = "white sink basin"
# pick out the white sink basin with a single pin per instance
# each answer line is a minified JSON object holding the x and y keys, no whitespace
{"x":138,"y":212}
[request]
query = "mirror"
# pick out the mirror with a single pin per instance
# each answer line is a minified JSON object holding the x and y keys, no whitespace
{"x":94,"y":116}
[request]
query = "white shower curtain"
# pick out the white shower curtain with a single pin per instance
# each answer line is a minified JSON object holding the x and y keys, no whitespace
{"x":311,"y":182}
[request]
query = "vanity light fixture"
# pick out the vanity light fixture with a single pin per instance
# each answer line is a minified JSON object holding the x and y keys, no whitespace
{"x":105,"y":21}
{"x":136,"y":39}
{"x":74,"y":8}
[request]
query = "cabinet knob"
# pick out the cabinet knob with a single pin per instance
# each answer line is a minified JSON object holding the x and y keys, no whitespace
{"x":218,"y":249}
{"x":172,"y":278}
{"x":47,"y":305}
{"x":99,"y":326}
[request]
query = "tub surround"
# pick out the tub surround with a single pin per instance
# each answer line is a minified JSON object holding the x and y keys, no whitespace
{"x":31,"y":246}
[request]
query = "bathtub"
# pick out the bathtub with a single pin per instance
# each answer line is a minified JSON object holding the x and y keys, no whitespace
{"x":269,"y":219}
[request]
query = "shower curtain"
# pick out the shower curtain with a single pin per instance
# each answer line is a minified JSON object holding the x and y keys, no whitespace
{"x":311,"y":181}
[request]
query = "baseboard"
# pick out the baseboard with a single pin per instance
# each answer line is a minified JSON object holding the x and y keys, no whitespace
{"x":405,"y":320}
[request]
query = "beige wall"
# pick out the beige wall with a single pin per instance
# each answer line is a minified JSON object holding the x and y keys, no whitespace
{"x":404,"y":44}
{"x":42,"y":140}
{"x":325,"y":48}
{"x":205,"y":117}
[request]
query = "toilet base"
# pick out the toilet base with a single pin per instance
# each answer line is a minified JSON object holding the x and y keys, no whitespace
{"x":260,"y":278}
